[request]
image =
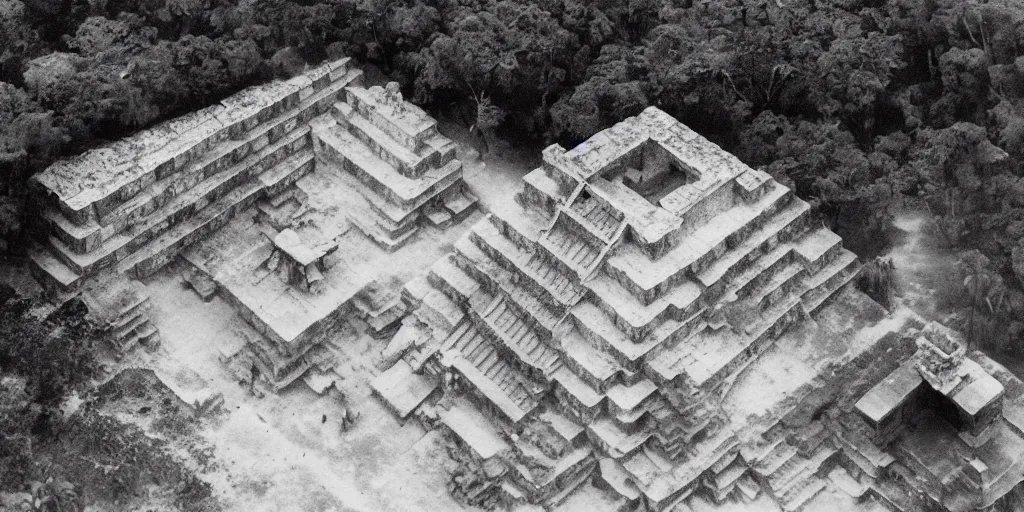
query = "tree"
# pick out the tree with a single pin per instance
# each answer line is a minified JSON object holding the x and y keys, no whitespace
{"x":965,"y":84}
{"x":855,"y":72}
{"x":985,"y":291}
{"x":613,"y":90}
{"x":878,"y":279}
{"x":952,"y":164}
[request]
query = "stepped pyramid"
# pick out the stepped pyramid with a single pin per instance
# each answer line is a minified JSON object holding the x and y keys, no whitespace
{"x":258,"y":193}
{"x":134,"y":204}
{"x":644,"y":268}
{"x":405,"y":168}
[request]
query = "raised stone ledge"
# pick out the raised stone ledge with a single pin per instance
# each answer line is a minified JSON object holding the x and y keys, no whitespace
{"x":385,"y":108}
{"x":111,"y":174}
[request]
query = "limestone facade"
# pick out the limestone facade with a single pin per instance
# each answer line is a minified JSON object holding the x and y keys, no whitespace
{"x":596,"y":326}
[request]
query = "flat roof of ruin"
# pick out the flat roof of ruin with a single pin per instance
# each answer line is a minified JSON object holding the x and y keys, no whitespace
{"x":289,"y":242}
{"x":981,"y":391}
{"x":890,"y":393}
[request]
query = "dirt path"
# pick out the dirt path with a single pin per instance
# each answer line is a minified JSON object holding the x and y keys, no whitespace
{"x":498,"y":176}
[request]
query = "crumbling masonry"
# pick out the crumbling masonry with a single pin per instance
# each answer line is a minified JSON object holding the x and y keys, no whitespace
{"x":229,"y":188}
{"x":650,"y":315}
{"x":599,"y":330}
{"x":645,"y":267}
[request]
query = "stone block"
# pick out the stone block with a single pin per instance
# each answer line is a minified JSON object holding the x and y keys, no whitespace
{"x":338,"y":73}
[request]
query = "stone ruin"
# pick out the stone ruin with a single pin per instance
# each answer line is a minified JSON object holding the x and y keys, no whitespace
{"x":257,"y":195}
{"x":600,"y":329}
{"x":951,"y":426}
{"x":643,"y":270}
{"x":134,"y":204}
{"x":121,"y":308}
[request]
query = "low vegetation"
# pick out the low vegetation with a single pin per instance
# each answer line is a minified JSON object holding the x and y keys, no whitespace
{"x":53,"y":461}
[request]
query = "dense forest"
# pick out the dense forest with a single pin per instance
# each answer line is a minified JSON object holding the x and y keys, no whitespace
{"x":862,"y":106}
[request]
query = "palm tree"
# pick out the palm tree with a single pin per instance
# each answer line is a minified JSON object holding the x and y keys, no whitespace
{"x":983,"y":287}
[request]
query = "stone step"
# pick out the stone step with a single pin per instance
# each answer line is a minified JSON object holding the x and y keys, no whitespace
{"x":495,"y":377}
{"x":182,"y":206}
{"x":454,"y":282}
{"x":603,"y":220}
{"x":146,"y":335}
{"x":52,"y":273}
{"x":776,"y":458}
{"x":459,"y":337}
{"x":789,"y":472}
{"x":486,"y":360}
{"x":508,"y":395}
{"x":360,"y":160}
{"x":572,"y":221}
{"x":486,"y":270}
{"x":129,"y":325}
{"x":369,"y":224}
{"x":760,"y":241}
{"x":439,"y":312}
{"x":160,"y":251}
{"x":772,"y":282}
{"x":818,"y":247}
{"x":569,"y":249}
{"x":520,"y":338}
{"x":476,"y":352}
{"x":800,"y":495}
{"x":553,"y":280}
{"x":748,"y":487}
{"x":410,"y":135}
{"x":843,"y":261}
{"x":383,"y":145}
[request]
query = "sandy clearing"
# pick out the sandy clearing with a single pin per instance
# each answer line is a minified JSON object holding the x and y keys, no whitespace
{"x":276,"y":453}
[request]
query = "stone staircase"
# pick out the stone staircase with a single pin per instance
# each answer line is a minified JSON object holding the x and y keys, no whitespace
{"x":792,"y":478}
{"x":515,"y":330}
{"x":599,"y":218}
{"x":487,"y":363}
{"x":399,"y":159}
{"x":571,"y":249}
{"x":130,"y":326}
{"x":583,"y":232}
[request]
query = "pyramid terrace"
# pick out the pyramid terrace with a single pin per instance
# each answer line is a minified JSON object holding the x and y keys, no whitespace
{"x":614,"y":326}
{"x":276,"y":198}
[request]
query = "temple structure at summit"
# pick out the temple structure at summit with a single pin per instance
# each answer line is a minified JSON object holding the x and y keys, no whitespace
{"x":616,"y":327}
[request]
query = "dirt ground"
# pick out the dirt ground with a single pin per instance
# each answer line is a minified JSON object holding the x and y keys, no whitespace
{"x":923,"y":267}
{"x":279,"y":452}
